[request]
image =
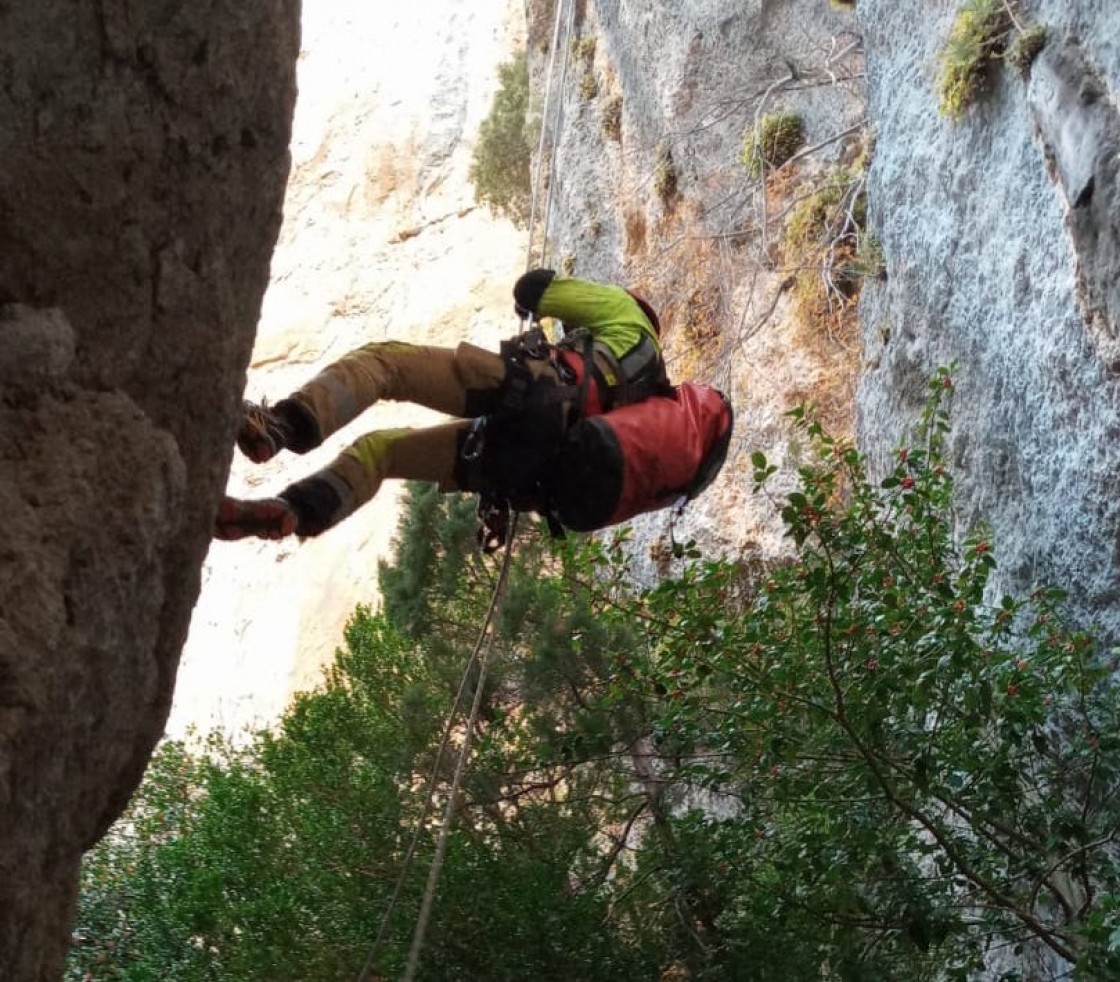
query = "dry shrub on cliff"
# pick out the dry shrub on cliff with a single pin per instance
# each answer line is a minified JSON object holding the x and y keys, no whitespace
{"x":583,"y":49}
{"x":771,"y":142}
{"x":611,"y":117}
{"x":824,"y":253}
{"x":539,"y":17}
{"x":821,"y":249}
{"x":1025,"y":48}
{"x":693,"y":289}
{"x":665,"y":175}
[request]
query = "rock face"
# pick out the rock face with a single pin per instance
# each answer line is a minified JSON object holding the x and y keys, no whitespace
{"x":145,"y":152}
{"x":1001,"y":235}
{"x":380,"y":240}
{"x":687,"y":81}
{"x":1002,"y":243}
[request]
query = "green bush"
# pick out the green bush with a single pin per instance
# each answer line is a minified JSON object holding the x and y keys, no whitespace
{"x":500,"y":169}
{"x":977,"y":38}
{"x":933,"y":766}
{"x":771,"y":142}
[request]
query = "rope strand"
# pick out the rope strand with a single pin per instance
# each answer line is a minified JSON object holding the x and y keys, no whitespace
{"x":460,"y":768}
{"x":480,"y":654}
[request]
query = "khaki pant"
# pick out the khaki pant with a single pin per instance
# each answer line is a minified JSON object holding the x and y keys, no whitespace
{"x":459,"y":381}
{"x":463,"y":382}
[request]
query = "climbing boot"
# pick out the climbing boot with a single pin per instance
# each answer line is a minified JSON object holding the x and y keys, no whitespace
{"x":269,"y":518}
{"x":263,"y":432}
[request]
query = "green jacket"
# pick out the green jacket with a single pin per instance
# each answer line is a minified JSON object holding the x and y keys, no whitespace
{"x":611,"y":315}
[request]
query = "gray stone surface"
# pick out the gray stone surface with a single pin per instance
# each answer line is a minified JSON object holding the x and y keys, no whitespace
{"x":692,"y":78}
{"x":1000,"y":237}
{"x":36,"y":348}
{"x":143,"y":157}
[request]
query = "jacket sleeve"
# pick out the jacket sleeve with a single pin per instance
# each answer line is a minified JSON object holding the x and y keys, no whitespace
{"x":608,"y":312}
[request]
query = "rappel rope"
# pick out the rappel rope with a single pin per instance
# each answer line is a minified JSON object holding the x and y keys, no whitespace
{"x":480,"y":654}
{"x":536,"y":184}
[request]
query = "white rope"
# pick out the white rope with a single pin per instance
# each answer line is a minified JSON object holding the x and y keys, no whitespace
{"x":536,"y":183}
{"x":429,"y":791}
{"x":479,"y":655}
{"x":460,"y":768}
{"x":556,"y":127}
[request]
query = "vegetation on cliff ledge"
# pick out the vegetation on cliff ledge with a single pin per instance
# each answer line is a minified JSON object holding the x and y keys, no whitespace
{"x":500,"y":169}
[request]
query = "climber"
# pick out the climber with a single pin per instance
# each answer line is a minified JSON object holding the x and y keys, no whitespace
{"x":513,"y":408}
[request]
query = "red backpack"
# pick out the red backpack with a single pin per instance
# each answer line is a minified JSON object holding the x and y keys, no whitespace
{"x":639,"y":458}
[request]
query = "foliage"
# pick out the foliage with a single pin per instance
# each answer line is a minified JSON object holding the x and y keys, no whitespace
{"x":862,"y":764}
{"x":771,"y":142}
{"x":916,"y":769}
{"x":500,"y":168}
{"x":276,"y":861}
{"x":434,"y":550}
{"x":977,"y":38}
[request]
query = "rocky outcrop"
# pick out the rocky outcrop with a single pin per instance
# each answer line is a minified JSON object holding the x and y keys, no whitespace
{"x":1002,"y":249}
{"x":687,"y":82}
{"x":1078,"y":125}
{"x":145,"y":151}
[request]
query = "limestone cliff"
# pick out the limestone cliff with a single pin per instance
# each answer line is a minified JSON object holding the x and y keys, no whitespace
{"x":144,"y":153}
{"x":381,"y":239}
{"x":650,"y":189}
{"x":1001,"y":234}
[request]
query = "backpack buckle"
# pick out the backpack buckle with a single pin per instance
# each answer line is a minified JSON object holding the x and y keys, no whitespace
{"x":534,"y":344}
{"x":475,"y":440}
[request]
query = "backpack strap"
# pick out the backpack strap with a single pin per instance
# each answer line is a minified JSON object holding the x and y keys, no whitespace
{"x":526,"y":395}
{"x":523,"y":390}
{"x":637,"y":375}
{"x":642,"y":372}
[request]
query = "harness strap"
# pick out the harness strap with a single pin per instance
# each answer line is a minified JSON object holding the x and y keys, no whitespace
{"x":638,"y":374}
